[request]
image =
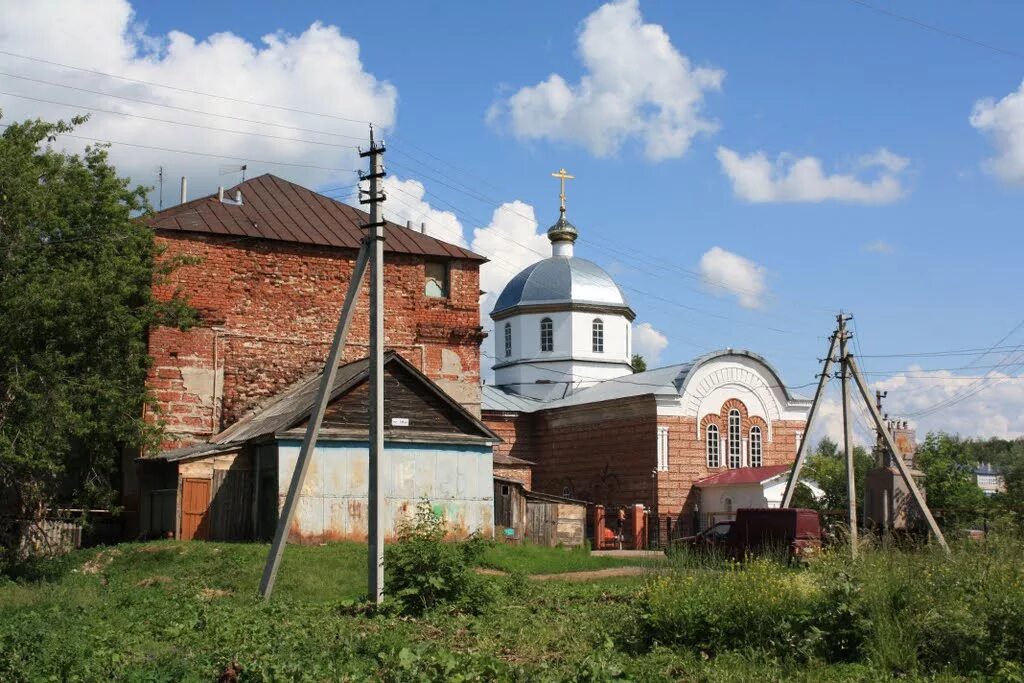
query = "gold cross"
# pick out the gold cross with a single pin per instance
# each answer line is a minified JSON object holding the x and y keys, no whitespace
{"x":563,"y":176}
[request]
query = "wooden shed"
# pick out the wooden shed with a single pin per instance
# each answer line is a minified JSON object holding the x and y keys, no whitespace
{"x":539,"y":518}
{"x":232,"y":487}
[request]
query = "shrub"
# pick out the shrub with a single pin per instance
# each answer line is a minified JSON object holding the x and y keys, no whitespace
{"x":424,"y":571}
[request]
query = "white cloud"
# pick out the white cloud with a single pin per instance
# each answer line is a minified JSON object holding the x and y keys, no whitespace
{"x":990,"y":407}
{"x":1003,"y":122}
{"x":512,"y":242}
{"x":317,"y":70}
{"x":789,"y":179}
{"x":405,"y":203}
{"x":879,"y":247}
{"x":649,"y":343}
{"x":636,"y":85}
{"x":724,"y":270}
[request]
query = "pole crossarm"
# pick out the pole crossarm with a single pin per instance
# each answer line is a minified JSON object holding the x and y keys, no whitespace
{"x":896,"y":458}
{"x":801,"y":455}
{"x":287,"y":516}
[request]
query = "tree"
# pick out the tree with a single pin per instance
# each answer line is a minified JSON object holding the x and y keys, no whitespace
{"x":638,"y":363}
{"x":76,"y":271}
{"x":826,"y":467}
{"x":949,"y":464}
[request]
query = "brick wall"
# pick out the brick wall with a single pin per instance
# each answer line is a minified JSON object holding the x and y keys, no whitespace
{"x":602,"y":453}
{"x":516,"y":431}
{"x":523,"y":473}
{"x":269,"y":311}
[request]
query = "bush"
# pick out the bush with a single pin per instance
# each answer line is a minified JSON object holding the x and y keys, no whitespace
{"x":424,"y":571}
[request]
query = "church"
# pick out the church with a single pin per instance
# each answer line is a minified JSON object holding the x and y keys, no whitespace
{"x":571,"y":411}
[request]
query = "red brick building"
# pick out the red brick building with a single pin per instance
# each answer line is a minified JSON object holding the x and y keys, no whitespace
{"x":268,"y":268}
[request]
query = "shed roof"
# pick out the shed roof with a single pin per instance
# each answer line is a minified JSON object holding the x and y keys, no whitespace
{"x":296,"y":403}
{"x":273,"y":208}
{"x":743,"y":475}
{"x":501,"y":459}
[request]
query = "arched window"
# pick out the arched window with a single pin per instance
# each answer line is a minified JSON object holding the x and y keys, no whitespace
{"x":735,"y":444}
{"x":598,"y":336}
{"x":712,"y":446}
{"x":727,"y":504}
{"x":756,"y":452}
{"x":547,"y":335}
{"x":508,"y":339}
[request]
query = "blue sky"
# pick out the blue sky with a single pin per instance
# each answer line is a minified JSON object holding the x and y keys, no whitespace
{"x":928,"y":261}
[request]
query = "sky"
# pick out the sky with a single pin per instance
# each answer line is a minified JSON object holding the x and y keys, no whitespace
{"x":744,"y":170}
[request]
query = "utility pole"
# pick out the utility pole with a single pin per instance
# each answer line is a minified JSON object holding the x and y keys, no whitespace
{"x":161,"y":176}
{"x":371,"y":245}
{"x":375,"y":237}
{"x":851,"y":479}
{"x":880,"y":459}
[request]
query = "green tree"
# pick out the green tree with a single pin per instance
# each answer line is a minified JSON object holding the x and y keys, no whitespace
{"x":638,"y":363}
{"x":76,"y":271}
{"x":949,"y":464}
{"x":826,"y":467}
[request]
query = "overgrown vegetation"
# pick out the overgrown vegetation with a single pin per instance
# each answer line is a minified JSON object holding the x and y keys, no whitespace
{"x":187,"y":611}
{"x":76,"y":272}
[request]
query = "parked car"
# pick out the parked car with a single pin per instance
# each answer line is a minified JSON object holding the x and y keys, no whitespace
{"x":797,"y":531}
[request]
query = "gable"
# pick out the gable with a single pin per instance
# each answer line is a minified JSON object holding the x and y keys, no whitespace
{"x":406,"y":397}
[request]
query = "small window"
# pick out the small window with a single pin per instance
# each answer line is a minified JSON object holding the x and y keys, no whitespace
{"x":735,"y":445}
{"x":756,"y":452}
{"x":566,"y":492}
{"x":663,"y":449}
{"x":547,"y":335}
{"x":714,"y":459}
{"x":508,"y":340}
{"x":504,"y":490}
{"x":436,"y":284}
{"x":727,"y":504}
{"x":598,"y":336}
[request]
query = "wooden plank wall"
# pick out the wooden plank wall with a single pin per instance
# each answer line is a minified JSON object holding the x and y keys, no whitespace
{"x":231,"y":507}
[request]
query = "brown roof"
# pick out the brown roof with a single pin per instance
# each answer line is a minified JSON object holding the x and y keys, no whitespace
{"x":502,"y":459}
{"x":273,"y":208}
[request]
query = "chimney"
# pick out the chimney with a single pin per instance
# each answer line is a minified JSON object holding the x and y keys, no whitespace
{"x":184,"y":189}
{"x":423,"y":228}
{"x":408,"y":224}
{"x":238,"y":197}
{"x":220,"y":193}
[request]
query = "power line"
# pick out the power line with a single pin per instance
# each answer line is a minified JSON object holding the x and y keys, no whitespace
{"x":939,"y":354}
{"x":184,"y":90}
{"x":936,"y":29}
{"x":195,"y":153}
{"x":176,"y":123}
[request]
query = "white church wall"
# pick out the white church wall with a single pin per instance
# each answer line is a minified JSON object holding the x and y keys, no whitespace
{"x":616,"y":336}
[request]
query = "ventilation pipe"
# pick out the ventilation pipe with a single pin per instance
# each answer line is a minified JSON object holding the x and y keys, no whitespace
{"x":184,"y":189}
{"x":220,"y":193}
{"x":238,"y":197}
{"x":423,"y":228}
{"x":408,"y":224}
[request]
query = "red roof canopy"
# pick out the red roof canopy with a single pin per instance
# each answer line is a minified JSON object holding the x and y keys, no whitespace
{"x":743,"y":475}
{"x":274,"y":209}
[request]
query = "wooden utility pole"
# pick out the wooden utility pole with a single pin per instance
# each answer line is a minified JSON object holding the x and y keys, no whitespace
{"x":849,"y":370}
{"x":372,"y":245}
{"x":851,"y":478}
{"x":375,"y":235}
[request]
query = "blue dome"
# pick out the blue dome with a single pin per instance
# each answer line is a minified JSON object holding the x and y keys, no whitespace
{"x":561,"y":280}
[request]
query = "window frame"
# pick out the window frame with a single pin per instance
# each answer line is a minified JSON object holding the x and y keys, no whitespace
{"x":597,"y":335}
{"x":712,"y":448}
{"x":445,"y":282}
{"x":756,"y":446}
{"x":734,"y":443}
{"x":547,"y":335}
{"x":508,"y":340}
{"x":663,"y":449}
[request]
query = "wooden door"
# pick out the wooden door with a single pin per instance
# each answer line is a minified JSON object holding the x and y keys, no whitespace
{"x":195,"y":504}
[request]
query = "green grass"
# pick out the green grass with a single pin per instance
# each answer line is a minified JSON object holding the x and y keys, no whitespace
{"x":179,"y":611}
{"x":534,"y":559}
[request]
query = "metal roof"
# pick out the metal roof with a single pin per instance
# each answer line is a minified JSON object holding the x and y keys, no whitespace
{"x":500,"y":459}
{"x":496,"y":398}
{"x":743,"y":475}
{"x":296,"y":403}
{"x":559,"y":280}
{"x":274,"y":209}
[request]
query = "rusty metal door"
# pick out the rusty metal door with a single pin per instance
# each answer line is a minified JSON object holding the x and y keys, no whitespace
{"x":195,"y":504}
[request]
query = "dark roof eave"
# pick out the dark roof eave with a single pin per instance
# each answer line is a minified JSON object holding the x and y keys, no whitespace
{"x":559,"y":306}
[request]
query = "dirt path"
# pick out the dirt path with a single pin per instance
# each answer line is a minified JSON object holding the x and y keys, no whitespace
{"x":591,"y":575}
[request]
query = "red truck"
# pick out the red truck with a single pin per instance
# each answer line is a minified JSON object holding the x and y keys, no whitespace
{"x":760,"y":530}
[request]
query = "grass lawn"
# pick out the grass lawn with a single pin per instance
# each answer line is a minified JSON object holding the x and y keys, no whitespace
{"x":179,"y":611}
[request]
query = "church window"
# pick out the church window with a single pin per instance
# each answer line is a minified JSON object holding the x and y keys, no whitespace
{"x":735,"y":445}
{"x":712,"y":446}
{"x":727,"y":504}
{"x":436,"y":284}
{"x":756,"y":452}
{"x":508,"y":339}
{"x":598,"y":336}
{"x":547,"y":335}
{"x":663,"y":449}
